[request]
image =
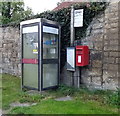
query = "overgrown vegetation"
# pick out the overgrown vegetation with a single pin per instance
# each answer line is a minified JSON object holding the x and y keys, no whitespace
{"x":13,"y":13}
{"x":84,"y":101}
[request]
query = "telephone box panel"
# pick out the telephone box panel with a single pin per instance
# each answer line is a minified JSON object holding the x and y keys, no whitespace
{"x":40,"y":54}
{"x":82,"y":55}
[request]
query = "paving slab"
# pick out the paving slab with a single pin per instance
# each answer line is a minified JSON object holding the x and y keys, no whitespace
{"x":66,"y":98}
{"x":17,"y":104}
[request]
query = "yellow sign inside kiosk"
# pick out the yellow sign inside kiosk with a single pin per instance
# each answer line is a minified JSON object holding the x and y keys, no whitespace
{"x":35,"y":51}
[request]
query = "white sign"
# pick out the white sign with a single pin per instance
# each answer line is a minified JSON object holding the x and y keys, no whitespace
{"x":79,"y":59}
{"x":52,"y":30}
{"x":78,"y":18}
{"x":71,"y":58}
{"x":31,"y":29}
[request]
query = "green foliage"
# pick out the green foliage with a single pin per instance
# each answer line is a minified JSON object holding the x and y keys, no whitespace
{"x":51,"y":106}
{"x":65,"y":90}
{"x":113,"y":98}
{"x":24,"y":97}
{"x":10,"y":90}
{"x":13,"y":12}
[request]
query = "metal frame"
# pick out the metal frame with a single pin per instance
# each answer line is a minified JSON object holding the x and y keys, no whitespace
{"x":40,"y":22}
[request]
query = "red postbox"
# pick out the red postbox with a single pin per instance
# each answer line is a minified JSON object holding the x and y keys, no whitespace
{"x":82,"y":55}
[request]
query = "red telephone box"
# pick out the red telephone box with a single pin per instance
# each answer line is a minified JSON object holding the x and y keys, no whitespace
{"x":82,"y":55}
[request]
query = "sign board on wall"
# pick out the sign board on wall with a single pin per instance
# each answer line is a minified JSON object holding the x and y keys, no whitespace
{"x":71,"y":58}
{"x":78,"y":18}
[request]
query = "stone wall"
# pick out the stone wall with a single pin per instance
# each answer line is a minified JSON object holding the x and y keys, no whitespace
{"x":10,"y":50}
{"x":103,"y":41}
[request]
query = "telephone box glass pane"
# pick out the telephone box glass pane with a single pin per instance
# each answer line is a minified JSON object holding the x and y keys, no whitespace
{"x":50,"y":74}
{"x":30,"y":72}
{"x":50,"y":46}
{"x":30,"y":45}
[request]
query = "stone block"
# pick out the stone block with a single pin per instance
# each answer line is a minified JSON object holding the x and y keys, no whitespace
{"x":96,"y":64}
{"x":97,"y":31}
{"x":9,"y":46}
{"x":98,"y":38}
{"x":96,"y":72}
{"x":111,"y":25}
{"x":1,"y":44}
{"x":109,"y":73}
{"x":110,"y":83}
{"x":111,"y":20}
{"x":98,"y":46}
{"x":111,"y":48}
{"x":113,"y":67}
{"x":114,"y":42}
{"x":109,"y":60}
{"x":105,"y":66}
{"x":86,"y":80}
{"x":106,"y":43}
{"x":96,"y":55}
{"x":117,"y":60}
{"x":90,"y":44}
{"x":111,"y":31}
{"x":96,"y":81}
{"x":106,"y":54}
{"x":97,"y":25}
{"x":114,"y":54}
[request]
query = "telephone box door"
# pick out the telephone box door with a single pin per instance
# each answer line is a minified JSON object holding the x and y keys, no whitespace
{"x":30,"y":56}
{"x":50,"y":56}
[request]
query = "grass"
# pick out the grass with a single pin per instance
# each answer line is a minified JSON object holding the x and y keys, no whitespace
{"x":10,"y":90}
{"x":84,"y":101}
